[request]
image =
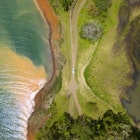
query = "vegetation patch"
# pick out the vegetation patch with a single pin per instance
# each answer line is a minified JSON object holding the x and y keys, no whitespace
{"x":107,"y":72}
{"x":66,"y":4}
{"x":57,"y":84}
{"x":111,"y":126}
{"x":91,"y":31}
{"x":103,"y":5}
{"x":98,"y":64}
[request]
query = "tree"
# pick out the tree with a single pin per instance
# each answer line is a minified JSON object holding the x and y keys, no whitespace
{"x":59,"y":5}
{"x":91,"y":31}
{"x":66,"y":4}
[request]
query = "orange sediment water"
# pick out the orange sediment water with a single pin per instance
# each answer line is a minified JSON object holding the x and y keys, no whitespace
{"x":22,"y":69}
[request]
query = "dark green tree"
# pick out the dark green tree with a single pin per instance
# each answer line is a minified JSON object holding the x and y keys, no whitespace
{"x":66,"y":4}
{"x":91,"y":31}
{"x":103,"y":5}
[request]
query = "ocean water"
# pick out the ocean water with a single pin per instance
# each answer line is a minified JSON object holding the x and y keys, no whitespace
{"x":25,"y":64}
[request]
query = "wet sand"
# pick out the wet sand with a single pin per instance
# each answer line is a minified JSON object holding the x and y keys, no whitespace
{"x":53,"y":22}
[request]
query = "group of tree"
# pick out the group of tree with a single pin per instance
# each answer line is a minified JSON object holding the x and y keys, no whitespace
{"x":103,"y":5}
{"x":98,"y":10}
{"x":110,"y":127}
{"x":99,"y":7}
{"x":66,"y":4}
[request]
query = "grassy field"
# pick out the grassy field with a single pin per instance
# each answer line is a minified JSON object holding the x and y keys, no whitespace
{"x":105,"y":70}
{"x":101,"y":72}
{"x":62,"y":102}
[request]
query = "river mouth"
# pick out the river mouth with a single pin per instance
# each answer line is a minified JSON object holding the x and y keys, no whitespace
{"x":25,"y":64}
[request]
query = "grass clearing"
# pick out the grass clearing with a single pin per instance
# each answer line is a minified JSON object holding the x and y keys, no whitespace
{"x":110,"y":76}
{"x":91,"y":105}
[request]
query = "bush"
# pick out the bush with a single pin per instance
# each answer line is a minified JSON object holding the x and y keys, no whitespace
{"x":61,"y":4}
{"x":103,"y":5}
{"x":93,"y":10}
{"x":66,"y":4}
{"x":91,"y":31}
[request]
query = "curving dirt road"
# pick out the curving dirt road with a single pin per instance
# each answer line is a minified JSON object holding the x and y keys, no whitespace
{"x":74,"y":45}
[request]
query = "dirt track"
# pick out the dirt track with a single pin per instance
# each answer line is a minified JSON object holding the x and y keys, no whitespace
{"x":74,"y":46}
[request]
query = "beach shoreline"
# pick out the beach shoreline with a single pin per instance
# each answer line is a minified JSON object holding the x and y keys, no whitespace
{"x":49,"y":16}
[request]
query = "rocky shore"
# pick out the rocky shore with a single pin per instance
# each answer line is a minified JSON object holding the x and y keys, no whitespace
{"x":48,"y":13}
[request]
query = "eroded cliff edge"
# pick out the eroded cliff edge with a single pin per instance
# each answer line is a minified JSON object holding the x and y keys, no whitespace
{"x":42,"y":101}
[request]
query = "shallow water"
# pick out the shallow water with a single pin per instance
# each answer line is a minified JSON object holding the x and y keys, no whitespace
{"x":133,"y":106}
{"x":25,"y":64}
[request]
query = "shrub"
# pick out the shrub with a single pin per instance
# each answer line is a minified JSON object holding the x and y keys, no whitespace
{"x":61,"y":4}
{"x":66,"y":4}
{"x":103,"y":5}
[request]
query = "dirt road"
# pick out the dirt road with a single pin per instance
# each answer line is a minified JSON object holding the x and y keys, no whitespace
{"x":74,"y":46}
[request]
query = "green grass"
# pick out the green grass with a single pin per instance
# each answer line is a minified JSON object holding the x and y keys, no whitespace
{"x":107,"y":72}
{"x":91,"y":106}
{"x":62,"y":103}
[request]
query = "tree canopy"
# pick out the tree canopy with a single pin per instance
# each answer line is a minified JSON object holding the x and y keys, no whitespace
{"x":66,"y":4}
{"x":110,"y":127}
{"x":103,"y":5}
{"x":91,"y":31}
{"x":58,"y":4}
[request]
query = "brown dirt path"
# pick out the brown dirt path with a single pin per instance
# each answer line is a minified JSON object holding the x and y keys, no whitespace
{"x":74,"y":46}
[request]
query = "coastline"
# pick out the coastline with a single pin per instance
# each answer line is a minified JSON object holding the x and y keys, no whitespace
{"x":52,"y":20}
